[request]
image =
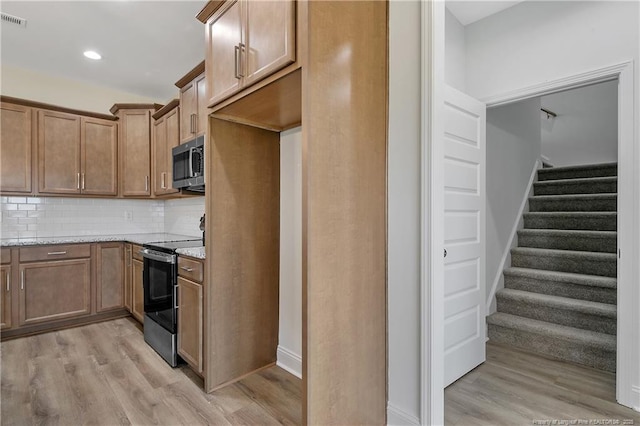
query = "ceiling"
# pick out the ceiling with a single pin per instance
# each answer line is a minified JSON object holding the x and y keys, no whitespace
{"x":468,"y":11}
{"x":146,"y":46}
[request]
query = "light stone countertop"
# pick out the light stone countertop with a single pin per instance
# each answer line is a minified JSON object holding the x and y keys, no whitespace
{"x":197,"y":252}
{"x":131,"y":238}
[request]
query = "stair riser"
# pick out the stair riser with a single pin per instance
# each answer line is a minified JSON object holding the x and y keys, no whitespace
{"x":554,"y":288}
{"x":558,"y":348}
{"x":556,"y":174}
{"x":589,"y":205}
{"x":542,"y":188}
{"x":606,"y":244}
{"x":576,"y":264}
{"x":562,"y":316}
{"x":587,"y":223}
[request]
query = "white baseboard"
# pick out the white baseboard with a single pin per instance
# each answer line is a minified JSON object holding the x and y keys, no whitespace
{"x":498,"y":281}
{"x":290,"y":361}
{"x":398,"y":417}
{"x":636,"y":397}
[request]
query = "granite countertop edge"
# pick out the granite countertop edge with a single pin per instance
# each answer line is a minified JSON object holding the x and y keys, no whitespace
{"x":195,"y":252}
{"x":130,"y":238}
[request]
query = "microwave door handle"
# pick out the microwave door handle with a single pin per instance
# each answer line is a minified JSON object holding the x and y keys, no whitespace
{"x":191,"y":151}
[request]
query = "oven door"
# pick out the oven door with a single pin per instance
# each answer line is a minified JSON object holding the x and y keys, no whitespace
{"x":159,"y":282}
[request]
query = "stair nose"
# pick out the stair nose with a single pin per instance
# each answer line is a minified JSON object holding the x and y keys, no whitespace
{"x":599,"y":185}
{"x":596,"y":221}
{"x":593,"y":241}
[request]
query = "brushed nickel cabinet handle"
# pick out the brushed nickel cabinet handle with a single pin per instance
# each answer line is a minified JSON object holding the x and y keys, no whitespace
{"x":78,"y":181}
{"x":146,"y":183}
{"x":56,"y":253}
{"x":242,"y":54}
{"x":8,"y":281}
{"x":22,"y":280}
{"x":83,"y":181}
{"x":193,"y":123}
{"x":236,"y":52}
{"x":184,"y":268}
{"x":162,"y":180}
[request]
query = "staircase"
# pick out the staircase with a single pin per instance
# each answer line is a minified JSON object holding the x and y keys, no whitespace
{"x":559,"y":298}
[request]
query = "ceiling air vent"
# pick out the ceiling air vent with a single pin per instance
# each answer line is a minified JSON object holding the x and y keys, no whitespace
{"x":10,"y":19}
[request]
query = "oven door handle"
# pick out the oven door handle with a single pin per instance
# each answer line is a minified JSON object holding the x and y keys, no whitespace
{"x":156,"y":255}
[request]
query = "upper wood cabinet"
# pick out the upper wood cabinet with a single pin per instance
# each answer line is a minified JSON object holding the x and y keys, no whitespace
{"x":77,"y":155}
{"x":193,"y":104}
{"x":15,"y":148}
{"x":166,"y":135}
{"x":246,"y":42}
{"x":135,"y":150}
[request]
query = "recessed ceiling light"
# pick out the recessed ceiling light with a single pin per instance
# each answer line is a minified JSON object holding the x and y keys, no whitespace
{"x":92,"y":55}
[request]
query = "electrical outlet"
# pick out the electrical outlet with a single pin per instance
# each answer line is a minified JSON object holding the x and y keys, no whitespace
{"x":128,"y":216}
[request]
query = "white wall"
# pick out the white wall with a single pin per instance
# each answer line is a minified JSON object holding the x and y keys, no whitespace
{"x":455,"y":68}
{"x":35,"y":86}
{"x":35,"y":217}
{"x":537,"y":41}
{"x":404,"y":214}
{"x":586,"y":128}
{"x":182,"y":216}
{"x":513,"y":147}
{"x":290,"y":327}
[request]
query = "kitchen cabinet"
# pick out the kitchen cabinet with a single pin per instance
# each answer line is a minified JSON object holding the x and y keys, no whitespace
{"x":16,"y":145}
{"x":137,"y":290}
{"x":193,"y":104}
{"x":55,"y":283}
{"x":128,"y":266}
{"x":5,"y":299}
{"x":109,"y":276}
{"x":135,"y":150}
{"x":246,"y":42}
{"x":77,"y":155}
{"x":166,"y":135}
{"x":190,"y":320}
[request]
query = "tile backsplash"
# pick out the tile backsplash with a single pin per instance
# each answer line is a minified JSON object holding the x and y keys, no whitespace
{"x":33,"y":217}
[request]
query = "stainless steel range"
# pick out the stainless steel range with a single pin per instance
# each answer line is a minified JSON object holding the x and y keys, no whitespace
{"x":160,"y":282}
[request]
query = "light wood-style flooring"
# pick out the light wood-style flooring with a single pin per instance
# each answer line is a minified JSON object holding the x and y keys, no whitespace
{"x":105,"y":374}
{"x":514,"y":387}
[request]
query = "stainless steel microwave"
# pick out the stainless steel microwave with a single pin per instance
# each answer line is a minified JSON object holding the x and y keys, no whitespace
{"x":188,"y":165}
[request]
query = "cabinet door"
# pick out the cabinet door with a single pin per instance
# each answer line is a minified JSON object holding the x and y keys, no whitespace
{"x":15,"y":148}
{"x":54,"y":290}
{"x":270,"y":38}
{"x":110,"y":276}
{"x":190,"y":323}
{"x":159,"y":155}
{"x":59,"y":152}
{"x":224,"y":38}
{"x":135,"y":153}
{"x":5,"y":300}
{"x":202,"y":114}
{"x":99,"y":175}
{"x":172,"y":140}
{"x":128,"y":258}
{"x":137,"y":303}
{"x":188,"y":110}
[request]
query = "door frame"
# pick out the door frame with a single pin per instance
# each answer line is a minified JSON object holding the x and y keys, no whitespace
{"x":432,"y":216}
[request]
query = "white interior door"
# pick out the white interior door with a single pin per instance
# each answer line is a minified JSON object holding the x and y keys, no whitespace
{"x":464,"y":234}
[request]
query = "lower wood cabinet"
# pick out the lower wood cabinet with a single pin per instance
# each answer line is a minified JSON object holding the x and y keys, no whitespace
{"x":137,"y":291}
{"x":5,"y":297}
{"x":109,"y":276}
{"x":54,"y":290}
{"x":190,"y":322}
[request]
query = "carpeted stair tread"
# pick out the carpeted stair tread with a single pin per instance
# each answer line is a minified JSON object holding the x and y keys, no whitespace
{"x":582,"y":314}
{"x":589,"y":263}
{"x":561,"y":239}
{"x":563,"y":277}
{"x":577,"y":172}
{"x":602,"y":221}
{"x":573,"y":202}
{"x":597,"y":185}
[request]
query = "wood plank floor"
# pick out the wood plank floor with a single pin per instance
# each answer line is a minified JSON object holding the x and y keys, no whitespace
{"x":514,"y":387}
{"x":105,"y":374}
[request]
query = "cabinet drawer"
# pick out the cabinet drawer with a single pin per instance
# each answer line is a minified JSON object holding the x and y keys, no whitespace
{"x":190,"y":269}
{"x":55,"y":252}
{"x":135,"y":251}
{"x":6,"y":255}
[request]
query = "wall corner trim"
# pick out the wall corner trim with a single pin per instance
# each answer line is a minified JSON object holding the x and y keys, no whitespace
{"x":399,"y":417}
{"x":512,"y":237}
{"x":289,"y":361}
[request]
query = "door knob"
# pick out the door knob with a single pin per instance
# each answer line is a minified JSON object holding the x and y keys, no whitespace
{"x":445,"y":252}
